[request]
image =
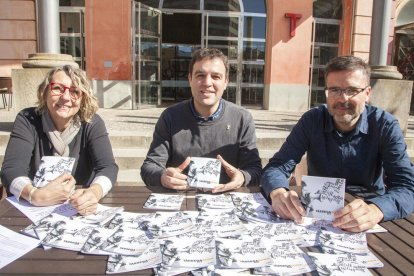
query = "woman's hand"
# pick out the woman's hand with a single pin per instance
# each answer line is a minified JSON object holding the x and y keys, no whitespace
{"x":85,"y":201}
{"x":55,"y":192}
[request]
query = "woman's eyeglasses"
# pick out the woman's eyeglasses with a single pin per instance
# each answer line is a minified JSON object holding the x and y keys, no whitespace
{"x":58,"y":89}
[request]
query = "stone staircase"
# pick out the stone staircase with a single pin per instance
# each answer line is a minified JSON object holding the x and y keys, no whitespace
{"x":130,"y":149}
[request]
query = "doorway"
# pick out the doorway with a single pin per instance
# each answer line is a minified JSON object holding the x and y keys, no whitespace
{"x":181,"y":33}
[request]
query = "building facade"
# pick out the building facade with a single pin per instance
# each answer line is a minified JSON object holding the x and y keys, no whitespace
{"x":137,"y":52}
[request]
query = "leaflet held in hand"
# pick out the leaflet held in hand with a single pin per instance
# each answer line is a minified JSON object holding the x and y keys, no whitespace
{"x":322,"y":196}
{"x":51,"y":167}
{"x":204,"y":172}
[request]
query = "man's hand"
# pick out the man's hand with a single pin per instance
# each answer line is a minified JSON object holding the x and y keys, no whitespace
{"x":287,"y":204}
{"x":358,"y":216}
{"x":235,"y":175}
{"x":55,"y":192}
{"x":85,"y":201}
{"x":173,"y":178}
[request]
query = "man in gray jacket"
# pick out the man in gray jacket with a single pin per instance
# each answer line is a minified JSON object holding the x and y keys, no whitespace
{"x":204,"y":126}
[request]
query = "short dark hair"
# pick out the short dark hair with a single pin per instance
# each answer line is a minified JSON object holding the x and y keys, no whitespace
{"x":347,"y":63}
{"x":208,"y":53}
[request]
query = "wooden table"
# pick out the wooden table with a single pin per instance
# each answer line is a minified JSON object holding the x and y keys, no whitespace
{"x":394,"y":248}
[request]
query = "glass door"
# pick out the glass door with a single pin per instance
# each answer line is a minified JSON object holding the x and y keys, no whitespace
{"x":223,"y":31}
{"x":146,"y":54}
{"x":72,"y":33}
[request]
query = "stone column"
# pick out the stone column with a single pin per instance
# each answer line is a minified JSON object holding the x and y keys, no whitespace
{"x":26,"y":81}
{"x":390,"y":92}
{"x":48,"y":26}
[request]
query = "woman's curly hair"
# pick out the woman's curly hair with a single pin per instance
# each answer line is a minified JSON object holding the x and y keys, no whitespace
{"x":89,"y":103}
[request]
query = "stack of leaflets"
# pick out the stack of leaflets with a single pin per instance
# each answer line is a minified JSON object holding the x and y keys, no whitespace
{"x":51,"y":167}
{"x":338,"y":264}
{"x":150,"y":258}
{"x":187,"y":253}
{"x":228,"y":235}
{"x":203,"y":172}
{"x":246,"y":252}
{"x":287,"y":259}
{"x":253,"y":208}
{"x":206,"y":201}
{"x":164,"y":202}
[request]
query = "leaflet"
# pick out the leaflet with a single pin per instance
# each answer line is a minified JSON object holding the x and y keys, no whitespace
{"x":14,"y":245}
{"x":338,"y":265}
{"x":244,"y":253}
{"x":164,"y":202}
{"x":204,"y":172}
{"x":148,"y":259}
{"x":322,"y":196}
{"x":51,"y":167}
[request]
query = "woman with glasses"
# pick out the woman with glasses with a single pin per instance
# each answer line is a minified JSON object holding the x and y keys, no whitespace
{"x":65,"y":124}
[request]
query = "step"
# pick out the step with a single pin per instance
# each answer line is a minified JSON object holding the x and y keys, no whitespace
{"x":129,"y":178}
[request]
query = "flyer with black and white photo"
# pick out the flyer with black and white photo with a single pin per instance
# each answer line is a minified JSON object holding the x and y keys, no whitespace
{"x":167,"y":224}
{"x":148,"y":259}
{"x":338,"y":239}
{"x":164,"y":202}
{"x":68,"y":234}
{"x":102,"y":216}
{"x":51,"y":167}
{"x":244,"y":253}
{"x":206,"y":201}
{"x":127,"y":242}
{"x":96,"y":238}
{"x":253,"y":207}
{"x":288,"y":259}
{"x":188,"y":251}
{"x":269,"y":232}
{"x":338,"y":264}
{"x":203,"y":172}
{"x":322,"y":196}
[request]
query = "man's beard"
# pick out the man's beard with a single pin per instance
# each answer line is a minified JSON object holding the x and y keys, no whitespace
{"x":347,"y":117}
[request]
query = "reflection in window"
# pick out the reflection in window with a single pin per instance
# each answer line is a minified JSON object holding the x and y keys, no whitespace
{"x":149,"y":70}
{"x":70,"y":46}
{"x":254,"y":27}
{"x":149,"y":22}
{"x":181,"y":4}
{"x":252,"y":95}
{"x":222,"y":5}
{"x":327,"y":33}
{"x":230,"y":94}
{"x":233,"y":73}
{"x":331,"y":9}
{"x":149,"y":93}
{"x":149,"y":47}
{"x":151,"y":3}
{"x":253,"y":73}
{"x":256,"y":6}
{"x":70,"y":22}
{"x":318,"y":77}
{"x":229,"y":48}
{"x":253,"y":50}
{"x":223,"y":26}
{"x":318,"y":97}
{"x":71,"y":3}
{"x":322,"y":54}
